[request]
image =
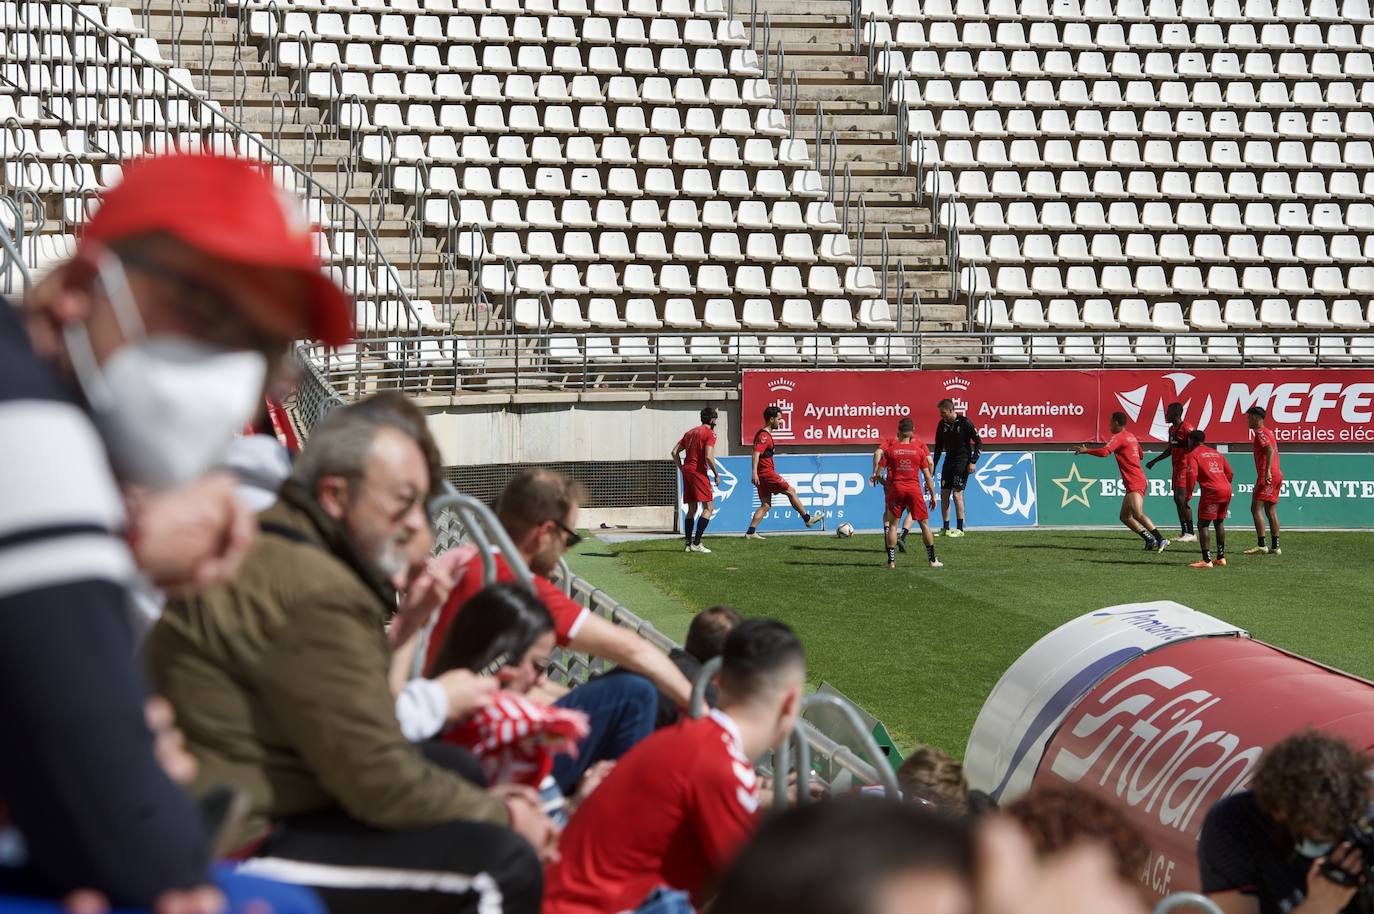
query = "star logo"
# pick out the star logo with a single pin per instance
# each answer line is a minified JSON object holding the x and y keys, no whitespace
{"x":1074,"y":481}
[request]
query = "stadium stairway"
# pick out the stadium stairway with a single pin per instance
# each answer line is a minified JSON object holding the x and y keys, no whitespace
{"x":195,"y":35}
{"x":816,"y":38}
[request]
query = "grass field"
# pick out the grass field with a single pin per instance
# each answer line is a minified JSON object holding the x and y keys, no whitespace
{"x":921,"y":648}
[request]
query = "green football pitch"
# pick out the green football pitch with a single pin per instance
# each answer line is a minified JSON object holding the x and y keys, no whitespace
{"x":921,"y":648}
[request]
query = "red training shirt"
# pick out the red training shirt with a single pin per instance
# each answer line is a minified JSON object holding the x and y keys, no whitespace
{"x":904,"y":460}
{"x":763,"y":446}
{"x":568,"y":614}
{"x":1263,"y":439}
{"x":674,"y":811}
{"x":1207,"y":467}
{"x":1127,"y":451}
{"x":694,"y":444}
{"x":1178,"y":445}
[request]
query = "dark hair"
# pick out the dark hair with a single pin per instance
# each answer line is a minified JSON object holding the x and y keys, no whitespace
{"x":905,"y":426}
{"x":755,"y":656}
{"x":1120,"y":418}
{"x":1196,"y":437}
{"x":835,"y":856}
{"x":342,"y":443}
{"x":708,"y":413}
{"x":1057,"y":816}
{"x":931,"y":775}
{"x":708,"y":631}
{"x":946,"y":403}
{"x":534,"y":497}
{"x":1257,"y":411}
{"x":1172,"y":407}
{"x":980,"y":803}
{"x":1315,"y":785}
{"x":770,"y":412}
{"x":503,"y":619}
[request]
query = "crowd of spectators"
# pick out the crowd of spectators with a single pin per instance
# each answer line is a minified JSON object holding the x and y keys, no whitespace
{"x":346,"y":721}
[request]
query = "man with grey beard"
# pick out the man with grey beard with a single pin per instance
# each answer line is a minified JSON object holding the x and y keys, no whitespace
{"x":279,"y":679}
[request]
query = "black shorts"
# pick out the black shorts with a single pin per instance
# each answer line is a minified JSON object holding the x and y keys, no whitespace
{"x":954,"y":473}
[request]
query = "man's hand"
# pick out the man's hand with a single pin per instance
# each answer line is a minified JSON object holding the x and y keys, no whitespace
{"x":1079,"y":881}
{"x":529,"y":821}
{"x":755,"y":479}
{"x":467,"y":692}
{"x":970,"y":467}
{"x":194,"y":536}
{"x":1081,"y":449}
{"x":591,"y":780}
{"x":873,"y":481}
{"x":1325,"y":896}
{"x":169,"y":745}
{"x":428,"y":589}
{"x":1268,"y":480}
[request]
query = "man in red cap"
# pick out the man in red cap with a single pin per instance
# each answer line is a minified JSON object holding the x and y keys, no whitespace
{"x":131,"y":367}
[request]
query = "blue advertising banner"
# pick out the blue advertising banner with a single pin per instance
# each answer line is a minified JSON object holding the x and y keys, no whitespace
{"x":1000,"y":493}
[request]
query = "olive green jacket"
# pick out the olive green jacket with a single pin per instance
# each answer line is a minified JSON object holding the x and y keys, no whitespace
{"x":279,"y":681}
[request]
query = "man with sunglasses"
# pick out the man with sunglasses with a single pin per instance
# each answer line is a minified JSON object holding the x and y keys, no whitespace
{"x":539,"y":508}
{"x":130,"y":368}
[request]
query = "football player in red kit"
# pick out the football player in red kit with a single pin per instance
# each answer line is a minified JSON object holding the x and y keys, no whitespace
{"x":907,"y":463}
{"x":1204,"y":466}
{"x":1268,"y":482}
{"x":1177,"y":452}
{"x":1124,"y":446}
{"x":908,"y":520}
{"x":698,"y":451}
{"x":768,"y":482}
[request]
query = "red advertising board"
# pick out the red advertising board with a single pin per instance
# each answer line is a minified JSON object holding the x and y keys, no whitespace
{"x":1167,"y":735}
{"x":1306,"y":405}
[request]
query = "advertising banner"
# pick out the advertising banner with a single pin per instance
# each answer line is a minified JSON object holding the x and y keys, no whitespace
{"x":1319,"y":490}
{"x":1001,"y":493}
{"x":1306,"y":405}
{"x":1167,"y":735}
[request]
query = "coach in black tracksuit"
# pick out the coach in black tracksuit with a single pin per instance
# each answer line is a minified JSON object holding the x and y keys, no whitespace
{"x":958,"y":440}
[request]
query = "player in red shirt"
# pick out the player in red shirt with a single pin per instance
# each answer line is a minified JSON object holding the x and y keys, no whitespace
{"x":1177,"y":451}
{"x":1124,"y":446}
{"x":908,"y":520}
{"x":767,"y":481}
{"x":698,"y":452}
{"x":1206,"y":467}
{"x":907,"y":463}
{"x":677,"y":808}
{"x":1268,"y":482}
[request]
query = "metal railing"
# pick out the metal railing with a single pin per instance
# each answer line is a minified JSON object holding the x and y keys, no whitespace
{"x":1183,"y":900}
{"x":181,"y":117}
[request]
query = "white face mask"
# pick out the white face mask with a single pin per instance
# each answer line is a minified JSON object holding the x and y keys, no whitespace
{"x":1313,"y":849}
{"x":166,"y":406}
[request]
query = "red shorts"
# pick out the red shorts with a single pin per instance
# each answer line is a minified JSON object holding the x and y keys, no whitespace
{"x":1269,"y":493}
{"x":696,"y":487}
{"x":1181,"y":483}
{"x":907,"y":498}
{"x":772,"y":485}
{"x":1208,"y":509}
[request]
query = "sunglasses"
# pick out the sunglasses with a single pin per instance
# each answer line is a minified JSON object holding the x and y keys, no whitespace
{"x":570,"y":537}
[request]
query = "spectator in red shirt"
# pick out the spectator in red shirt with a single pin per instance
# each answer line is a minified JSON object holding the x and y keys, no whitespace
{"x":677,"y":808}
{"x":538,"y":508}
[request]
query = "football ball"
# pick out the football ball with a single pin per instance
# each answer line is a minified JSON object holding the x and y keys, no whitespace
{"x":845,"y":530}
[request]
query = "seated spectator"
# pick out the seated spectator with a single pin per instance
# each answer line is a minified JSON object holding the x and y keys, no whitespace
{"x":280,"y":681}
{"x":508,"y":635}
{"x":677,"y":807}
{"x":1058,"y":816}
{"x":539,"y":508}
{"x":1261,"y":850}
{"x":705,"y":639}
{"x":930,"y":776}
{"x":129,"y":369}
{"x":857,"y":854}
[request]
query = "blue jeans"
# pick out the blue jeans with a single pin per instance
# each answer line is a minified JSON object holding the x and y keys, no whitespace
{"x":245,"y":894}
{"x":621,"y":707}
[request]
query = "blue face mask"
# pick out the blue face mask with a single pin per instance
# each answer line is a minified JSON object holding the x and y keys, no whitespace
{"x":1313,"y":849}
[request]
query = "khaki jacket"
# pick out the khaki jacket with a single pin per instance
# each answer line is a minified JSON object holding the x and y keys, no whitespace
{"x":279,"y":681}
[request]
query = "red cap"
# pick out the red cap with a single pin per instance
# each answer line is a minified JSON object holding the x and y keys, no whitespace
{"x":229,"y":208}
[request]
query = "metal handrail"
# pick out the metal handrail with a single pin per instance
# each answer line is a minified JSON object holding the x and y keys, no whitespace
{"x":211,"y":118}
{"x":1186,"y":900}
{"x":886,"y":776}
{"x":709,"y":669}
